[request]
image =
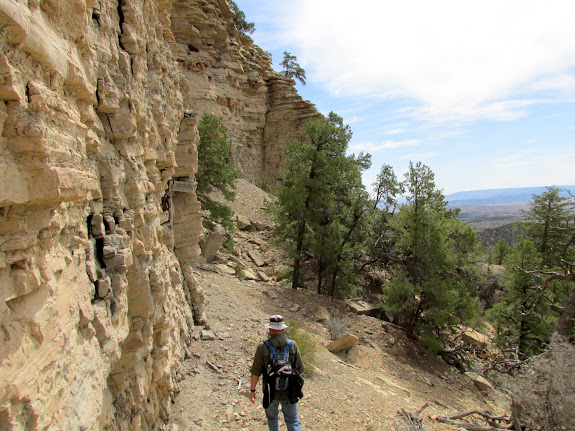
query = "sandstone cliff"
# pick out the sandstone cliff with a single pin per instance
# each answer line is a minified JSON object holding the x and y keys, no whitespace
{"x":99,"y":222}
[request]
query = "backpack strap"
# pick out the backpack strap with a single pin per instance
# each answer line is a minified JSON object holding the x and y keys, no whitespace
{"x":286,"y":348}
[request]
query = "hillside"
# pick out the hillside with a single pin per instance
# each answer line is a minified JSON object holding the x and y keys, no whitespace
{"x":340,"y":394}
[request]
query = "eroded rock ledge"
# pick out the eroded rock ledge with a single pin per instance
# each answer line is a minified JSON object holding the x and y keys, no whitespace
{"x":99,"y":222}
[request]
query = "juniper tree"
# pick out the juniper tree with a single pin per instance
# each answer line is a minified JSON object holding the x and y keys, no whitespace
{"x":215,"y":172}
{"x":546,"y":216}
{"x":431,"y":287}
{"x":292,"y":69}
{"x":386,"y":191}
{"x":317,"y":209}
{"x":517,"y":324}
{"x":240,"y":19}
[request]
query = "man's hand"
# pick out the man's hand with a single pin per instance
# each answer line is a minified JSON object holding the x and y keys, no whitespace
{"x":253,"y":397}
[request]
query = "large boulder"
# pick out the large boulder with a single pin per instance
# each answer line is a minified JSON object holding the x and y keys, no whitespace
{"x":211,"y":245}
{"x":243,"y":222}
{"x":356,"y":356}
{"x":480,"y":382}
{"x":343,"y":343}
{"x":472,"y":337}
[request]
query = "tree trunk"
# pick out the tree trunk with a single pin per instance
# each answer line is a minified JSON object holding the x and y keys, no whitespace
{"x":319,"y":275}
{"x":567,"y":317}
{"x":297,"y":259}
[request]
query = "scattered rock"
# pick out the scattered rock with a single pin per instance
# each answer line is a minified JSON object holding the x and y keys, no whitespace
{"x":243,"y":222}
{"x":207,"y":335}
{"x":250,"y":275}
{"x":321,"y":314}
{"x":362,"y":307}
{"x":256,"y":258}
{"x":481,"y":382}
{"x":358,"y":358}
{"x":225,"y":269}
{"x":263,"y":276}
{"x":258,"y":225}
{"x":471,"y":336}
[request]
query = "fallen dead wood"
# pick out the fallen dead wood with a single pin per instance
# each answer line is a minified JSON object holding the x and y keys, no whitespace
{"x":491,"y":423}
{"x":412,"y":419}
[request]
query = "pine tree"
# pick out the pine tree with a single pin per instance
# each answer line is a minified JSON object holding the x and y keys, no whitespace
{"x":215,"y":172}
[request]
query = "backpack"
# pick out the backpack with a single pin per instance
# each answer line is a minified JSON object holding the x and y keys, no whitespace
{"x":281,"y":376}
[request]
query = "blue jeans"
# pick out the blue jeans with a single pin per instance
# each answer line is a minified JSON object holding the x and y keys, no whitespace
{"x":290,"y":416}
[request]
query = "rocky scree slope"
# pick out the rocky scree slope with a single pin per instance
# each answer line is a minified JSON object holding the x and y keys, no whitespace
{"x":359,"y":390}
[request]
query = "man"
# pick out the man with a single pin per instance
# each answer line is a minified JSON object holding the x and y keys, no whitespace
{"x":276,"y":336}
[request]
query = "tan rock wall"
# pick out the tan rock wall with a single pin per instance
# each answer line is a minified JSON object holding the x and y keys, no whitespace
{"x":99,"y":222}
{"x":225,"y":74}
{"x":94,"y":306}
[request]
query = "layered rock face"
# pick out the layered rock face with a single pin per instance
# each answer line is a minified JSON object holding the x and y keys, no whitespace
{"x":99,"y":222}
{"x":225,"y":74}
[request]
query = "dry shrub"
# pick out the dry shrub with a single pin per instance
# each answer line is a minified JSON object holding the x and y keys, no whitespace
{"x":306,"y":344}
{"x":544,"y":392}
{"x":337,"y":326}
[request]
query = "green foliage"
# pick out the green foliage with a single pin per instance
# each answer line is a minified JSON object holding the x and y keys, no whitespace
{"x":320,"y":206}
{"x":240,"y":272}
{"x":517,"y":323}
{"x":538,"y":296}
{"x":428,"y":252}
{"x":500,"y":252}
{"x":292,"y":69}
{"x":547,"y":215}
{"x":284,"y":272}
{"x":228,"y":243}
{"x":215,"y":172}
{"x":307,"y":345}
{"x":240,"y":20}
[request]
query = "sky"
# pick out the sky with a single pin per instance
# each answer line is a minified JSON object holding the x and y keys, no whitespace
{"x":482,"y":92}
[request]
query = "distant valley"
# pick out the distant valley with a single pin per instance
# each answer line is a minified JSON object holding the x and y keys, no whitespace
{"x":488,"y":209}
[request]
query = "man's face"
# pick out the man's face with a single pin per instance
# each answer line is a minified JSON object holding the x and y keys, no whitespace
{"x":276,"y":331}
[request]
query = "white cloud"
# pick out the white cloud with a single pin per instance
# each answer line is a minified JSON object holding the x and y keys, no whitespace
{"x":515,"y":159}
{"x":418,"y":156}
{"x":372,"y":147}
{"x":396,"y":131}
{"x":352,"y":120}
{"x":562,"y":82}
{"x":458,"y":59}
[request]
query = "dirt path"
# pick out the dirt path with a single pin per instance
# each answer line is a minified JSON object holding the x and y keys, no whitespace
{"x":213,"y":392}
{"x":215,"y":377}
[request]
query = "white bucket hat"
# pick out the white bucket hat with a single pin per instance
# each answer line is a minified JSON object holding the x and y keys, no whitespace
{"x":277,"y":323}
